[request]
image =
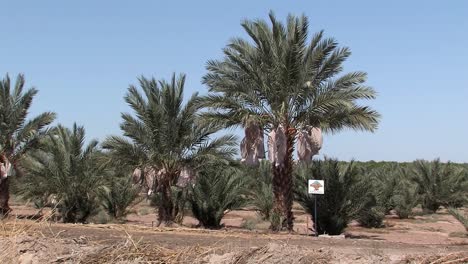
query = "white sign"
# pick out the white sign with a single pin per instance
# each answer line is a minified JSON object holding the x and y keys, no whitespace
{"x":316,"y":187}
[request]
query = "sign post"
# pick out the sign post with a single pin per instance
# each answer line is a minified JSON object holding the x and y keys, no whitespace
{"x":316,"y":187}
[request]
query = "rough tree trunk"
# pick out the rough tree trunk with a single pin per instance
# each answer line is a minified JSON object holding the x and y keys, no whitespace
{"x":276,"y":223}
{"x":4,"y":197}
{"x":283,"y":186}
{"x":166,"y":207}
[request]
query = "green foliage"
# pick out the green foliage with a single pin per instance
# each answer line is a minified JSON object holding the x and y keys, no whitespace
{"x":67,"y":169}
{"x":281,"y":76}
{"x":384,"y":182}
{"x":372,"y":216}
{"x":180,"y":203}
{"x":462,"y":218}
{"x":19,"y":135}
{"x":346,"y":194}
{"x":439,"y":184}
{"x":163,"y":134}
{"x":119,"y":195}
{"x":405,"y":198}
{"x":261,"y":188}
{"x":179,"y":196}
{"x":217,"y":190}
{"x":278,"y":73}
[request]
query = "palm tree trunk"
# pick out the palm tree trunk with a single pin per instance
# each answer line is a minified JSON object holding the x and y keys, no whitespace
{"x":4,"y":196}
{"x":288,"y":178}
{"x":277,"y":216}
{"x":283,"y":186}
{"x":166,"y":207}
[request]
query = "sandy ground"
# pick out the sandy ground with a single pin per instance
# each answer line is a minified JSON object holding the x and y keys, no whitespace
{"x":245,"y":239}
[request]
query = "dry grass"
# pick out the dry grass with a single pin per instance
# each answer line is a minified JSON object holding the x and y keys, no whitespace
{"x":22,"y":239}
{"x":452,"y":258}
{"x":131,"y":252}
{"x":14,"y":231}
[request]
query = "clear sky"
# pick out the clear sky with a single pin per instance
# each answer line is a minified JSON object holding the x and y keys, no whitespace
{"x":82,"y":55}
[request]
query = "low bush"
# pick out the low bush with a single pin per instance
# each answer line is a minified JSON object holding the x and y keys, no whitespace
{"x":439,"y":184}
{"x":371,"y":217}
{"x":261,"y":190}
{"x":217,"y":190}
{"x":346,"y":194}
{"x":405,"y":199}
{"x":384,"y":182}
{"x":118,"y":196}
{"x":65,"y":168}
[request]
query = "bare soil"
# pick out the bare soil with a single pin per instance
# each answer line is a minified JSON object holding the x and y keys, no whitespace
{"x":436,"y":238}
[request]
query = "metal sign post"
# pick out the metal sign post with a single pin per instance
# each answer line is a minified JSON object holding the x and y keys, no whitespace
{"x":316,"y":216}
{"x":316,"y":187}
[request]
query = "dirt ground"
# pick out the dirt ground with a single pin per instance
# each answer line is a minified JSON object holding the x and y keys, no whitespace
{"x":436,"y":238}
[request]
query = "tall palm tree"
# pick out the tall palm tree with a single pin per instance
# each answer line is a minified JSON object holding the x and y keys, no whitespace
{"x":164,"y":136}
{"x":286,"y":84}
{"x":18,"y":135}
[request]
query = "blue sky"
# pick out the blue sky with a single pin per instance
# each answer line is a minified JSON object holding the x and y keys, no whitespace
{"x":82,"y":55}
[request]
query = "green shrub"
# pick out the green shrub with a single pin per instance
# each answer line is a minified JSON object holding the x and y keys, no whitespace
{"x":371,"y":217}
{"x":346,"y":194}
{"x":384,"y":181}
{"x":439,"y":184}
{"x":216,"y":190}
{"x":119,"y":196}
{"x":405,"y":199}
{"x":261,"y":194}
{"x":77,"y":207}
{"x":67,"y":169}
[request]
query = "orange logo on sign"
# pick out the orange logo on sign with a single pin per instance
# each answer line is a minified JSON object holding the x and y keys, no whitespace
{"x":316,"y":185}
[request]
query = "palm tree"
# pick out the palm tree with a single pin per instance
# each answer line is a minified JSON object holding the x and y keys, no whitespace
{"x":119,"y":196}
{"x":217,"y":190}
{"x":68,"y":170}
{"x":439,"y":184}
{"x":347,"y":194}
{"x":18,"y":135}
{"x":164,"y":136}
{"x":260,"y":185}
{"x":286,"y":84}
{"x":385,"y":180}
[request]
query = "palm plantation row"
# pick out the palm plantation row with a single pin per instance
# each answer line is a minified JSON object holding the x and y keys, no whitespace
{"x":281,"y":83}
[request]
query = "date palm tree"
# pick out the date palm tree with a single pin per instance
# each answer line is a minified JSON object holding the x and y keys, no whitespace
{"x":68,"y":170}
{"x":286,"y":83}
{"x":164,"y":136}
{"x":218,"y":189}
{"x":439,"y":184}
{"x":18,"y":134}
